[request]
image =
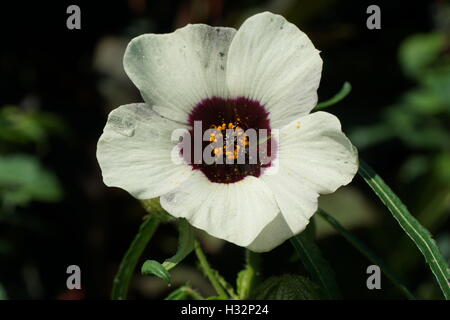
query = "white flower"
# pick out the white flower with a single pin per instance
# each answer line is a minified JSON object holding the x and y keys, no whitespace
{"x":264,"y":75}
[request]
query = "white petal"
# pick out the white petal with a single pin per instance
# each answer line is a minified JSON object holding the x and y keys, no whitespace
{"x":236,"y":212}
{"x":135,"y":152}
{"x":274,"y":234}
{"x":176,"y":71}
{"x":272,"y":61}
{"x":314,"y":157}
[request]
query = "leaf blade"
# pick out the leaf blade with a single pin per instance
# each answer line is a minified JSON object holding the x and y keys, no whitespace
{"x":418,"y":234}
{"x":185,"y":247}
{"x":153,"y":267}
{"x":122,"y":279}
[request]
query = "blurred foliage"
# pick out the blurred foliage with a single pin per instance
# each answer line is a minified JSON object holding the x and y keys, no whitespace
{"x":420,"y":121}
{"x":20,"y":127}
{"x":421,"y":117}
{"x":3,"y":295}
{"x":22,"y":177}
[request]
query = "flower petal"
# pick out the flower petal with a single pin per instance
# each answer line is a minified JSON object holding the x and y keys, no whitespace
{"x":236,"y":212}
{"x":135,"y":152}
{"x":274,"y":234}
{"x":272,"y":61}
{"x":176,"y":71}
{"x":314,"y":157}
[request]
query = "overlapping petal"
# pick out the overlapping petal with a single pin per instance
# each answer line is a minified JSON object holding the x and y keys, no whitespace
{"x":236,"y":212}
{"x":176,"y":71}
{"x":135,"y":152}
{"x":270,"y":60}
{"x":314,"y":157}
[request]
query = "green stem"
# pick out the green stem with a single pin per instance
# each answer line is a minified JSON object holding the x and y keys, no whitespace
{"x":253,"y":260}
{"x":249,"y":277}
{"x":345,"y":90}
{"x":128,"y":265}
{"x":209,"y":272}
{"x":369,"y":254}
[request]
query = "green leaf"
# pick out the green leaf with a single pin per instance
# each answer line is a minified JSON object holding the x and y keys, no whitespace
{"x":369,"y":254}
{"x":288,"y":287}
{"x":420,"y":236}
{"x":20,"y":126}
{"x":152,"y":267}
{"x":23,"y":179}
{"x":121,"y":282}
{"x":178,"y":294}
{"x":184,"y":293}
{"x":419,"y":51}
{"x":345,"y":90}
{"x":185,"y":246}
{"x":318,"y":268}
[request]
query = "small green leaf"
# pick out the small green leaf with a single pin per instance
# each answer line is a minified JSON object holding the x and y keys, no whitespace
{"x":184,"y":293}
{"x":23,"y":179}
{"x":288,"y":287}
{"x":178,"y":294}
{"x":185,"y":246}
{"x":419,"y":51}
{"x":152,"y":267}
{"x":21,"y":126}
{"x":345,"y":90}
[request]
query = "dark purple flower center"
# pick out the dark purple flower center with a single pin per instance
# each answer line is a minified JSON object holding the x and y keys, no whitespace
{"x":229,"y":121}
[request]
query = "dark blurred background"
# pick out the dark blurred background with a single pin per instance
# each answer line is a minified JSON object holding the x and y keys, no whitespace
{"x":58,"y":85}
